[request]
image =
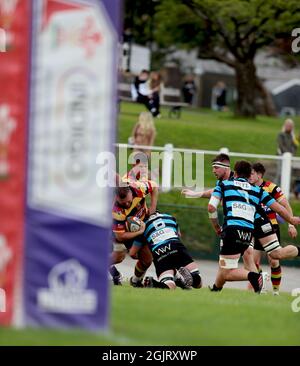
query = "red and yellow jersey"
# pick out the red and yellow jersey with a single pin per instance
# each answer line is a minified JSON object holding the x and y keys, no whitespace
{"x":277,"y":194}
{"x":138,"y":207}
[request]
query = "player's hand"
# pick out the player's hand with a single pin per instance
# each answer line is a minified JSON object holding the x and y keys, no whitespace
{"x":292,"y":231}
{"x":142,"y":228}
{"x":295,"y":220}
{"x":190,"y":193}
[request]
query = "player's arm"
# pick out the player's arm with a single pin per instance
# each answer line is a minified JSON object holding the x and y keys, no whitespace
{"x":128,"y":235}
{"x":153,"y":199}
{"x":213,"y":209}
{"x":291,"y":228}
{"x":278,"y":208}
{"x":269,"y":201}
{"x":200,"y":194}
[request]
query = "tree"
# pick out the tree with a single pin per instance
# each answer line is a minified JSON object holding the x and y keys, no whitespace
{"x":229,"y":31}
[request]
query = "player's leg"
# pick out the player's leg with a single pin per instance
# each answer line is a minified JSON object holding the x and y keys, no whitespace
{"x":231,"y":250}
{"x":248,"y":258}
{"x":276,"y":274}
{"x":272,"y":246}
{"x":194,"y":270}
{"x":143,"y":263}
{"x":117,"y":256}
{"x":257,"y":259}
{"x":187,"y":274}
{"x":167,"y":279}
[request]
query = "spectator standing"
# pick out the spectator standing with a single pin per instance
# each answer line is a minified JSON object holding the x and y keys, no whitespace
{"x":219,"y":93}
{"x":286,"y":142}
{"x":188,"y":89}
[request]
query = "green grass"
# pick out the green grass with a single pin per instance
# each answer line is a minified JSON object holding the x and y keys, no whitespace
{"x":197,"y":317}
{"x":208,"y":130}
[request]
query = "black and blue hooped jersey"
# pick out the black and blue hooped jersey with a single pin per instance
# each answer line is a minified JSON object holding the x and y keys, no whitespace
{"x":241,"y":202}
{"x":160,"y":229}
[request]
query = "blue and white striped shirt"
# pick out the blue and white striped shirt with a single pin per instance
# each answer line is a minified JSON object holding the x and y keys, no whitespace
{"x":241,"y":201}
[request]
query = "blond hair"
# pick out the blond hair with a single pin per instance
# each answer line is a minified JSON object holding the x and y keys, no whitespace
{"x":144,"y":131}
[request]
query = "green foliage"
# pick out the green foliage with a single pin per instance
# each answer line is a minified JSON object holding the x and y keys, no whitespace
{"x":237,"y":26}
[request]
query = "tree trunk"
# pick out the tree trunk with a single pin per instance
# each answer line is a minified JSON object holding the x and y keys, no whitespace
{"x":269,"y":106}
{"x":246,"y":85}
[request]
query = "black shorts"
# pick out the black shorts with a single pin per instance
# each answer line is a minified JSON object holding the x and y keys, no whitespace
{"x":172,"y":255}
{"x":235,"y":240}
{"x":262,"y":229}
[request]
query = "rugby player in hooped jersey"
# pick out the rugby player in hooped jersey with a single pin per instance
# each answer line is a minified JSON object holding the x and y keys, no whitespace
{"x":130,"y":200}
{"x":173,"y":264}
{"x":241,"y":203}
{"x":221,"y":170}
{"x":266,"y":239}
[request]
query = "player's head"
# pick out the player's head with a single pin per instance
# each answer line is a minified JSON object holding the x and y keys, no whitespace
{"x":124,"y":196}
{"x":221,"y":166}
{"x":242,"y":169}
{"x":257,"y":173}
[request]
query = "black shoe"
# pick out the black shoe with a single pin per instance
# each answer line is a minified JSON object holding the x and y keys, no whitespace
{"x":258,"y":281}
{"x":117,"y":280}
{"x":148,"y":282}
{"x":214,"y":288}
{"x":184,"y":278}
{"x":136,"y":284}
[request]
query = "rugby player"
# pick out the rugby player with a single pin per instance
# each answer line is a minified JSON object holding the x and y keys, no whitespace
{"x":271,"y":228}
{"x":241,"y":203}
{"x":173,"y":264}
{"x":130,"y":200}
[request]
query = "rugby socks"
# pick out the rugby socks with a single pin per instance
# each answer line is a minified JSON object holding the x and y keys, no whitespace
{"x":139,"y":271}
{"x":113,"y":271}
{"x":116,"y":275}
{"x":276,"y":277}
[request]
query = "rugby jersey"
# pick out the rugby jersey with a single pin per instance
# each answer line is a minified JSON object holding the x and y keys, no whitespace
{"x":138,"y":207}
{"x":160,"y":229}
{"x":241,"y":200}
{"x":231,"y":176}
{"x":277,"y":194}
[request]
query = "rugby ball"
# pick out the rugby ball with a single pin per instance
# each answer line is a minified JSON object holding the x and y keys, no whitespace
{"x":133,"y":223}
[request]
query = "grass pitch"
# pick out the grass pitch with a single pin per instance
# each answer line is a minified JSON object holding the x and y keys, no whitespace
{"x":196,"y":317}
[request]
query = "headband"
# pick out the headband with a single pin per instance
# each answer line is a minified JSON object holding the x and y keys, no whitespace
{"x":219,"y":164}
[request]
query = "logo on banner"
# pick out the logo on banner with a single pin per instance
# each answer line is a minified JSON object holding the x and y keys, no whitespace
{"x":67,"y":292}
{"x":5,"y":257}
{"x":7,"y":11}
{"x":86,"y":37}
{"x":7,"y":126}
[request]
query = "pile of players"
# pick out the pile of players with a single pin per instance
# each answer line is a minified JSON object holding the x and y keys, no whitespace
{"x":251,"y":207}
